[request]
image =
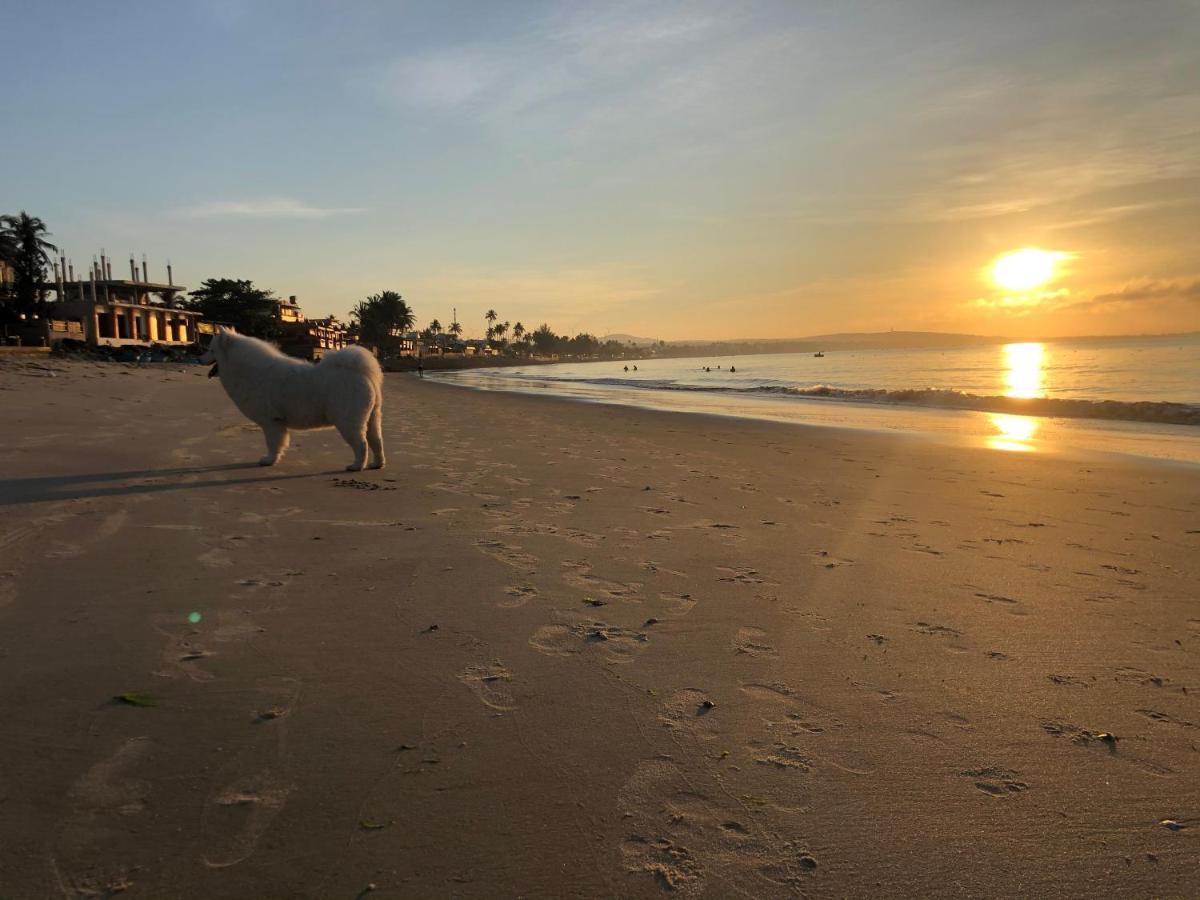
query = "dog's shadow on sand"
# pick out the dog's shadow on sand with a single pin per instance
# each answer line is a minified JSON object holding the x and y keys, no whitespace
{"x":141,"y":481}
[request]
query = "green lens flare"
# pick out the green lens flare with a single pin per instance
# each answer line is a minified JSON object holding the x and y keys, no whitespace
{"x":194,"y":617}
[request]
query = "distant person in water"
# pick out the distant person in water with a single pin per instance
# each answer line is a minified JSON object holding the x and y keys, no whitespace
{"x":733,"y":369}
{"x":627,"y":368}
{"x":420,"y":368}
{"x":635,"y":368}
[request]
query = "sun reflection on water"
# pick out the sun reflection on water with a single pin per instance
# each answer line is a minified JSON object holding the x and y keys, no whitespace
{"x":1014,"y":432}
{"x":1023,"y":379}
{"x":1023,"y":369}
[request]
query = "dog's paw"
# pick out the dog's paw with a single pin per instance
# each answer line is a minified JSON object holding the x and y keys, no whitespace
{"x":267,"y":461}
{"x":354,"y":467}
{"x":378,"y":464}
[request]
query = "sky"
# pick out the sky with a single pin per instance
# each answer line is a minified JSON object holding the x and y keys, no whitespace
{"x":666,"y":169}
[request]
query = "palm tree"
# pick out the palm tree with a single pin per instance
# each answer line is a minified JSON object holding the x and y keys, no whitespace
{"x":455,"y":329}
{"x":382,"y":318}
{"x":501,"y":330}
{"x":25,"y":248}
{"x":518,"y":331}
{"x":435,"y":327}
{"x":491,"y":317}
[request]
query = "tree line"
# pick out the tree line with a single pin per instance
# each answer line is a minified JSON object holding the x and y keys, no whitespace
{"x":27,"y":255}
{"x":380,"y":321}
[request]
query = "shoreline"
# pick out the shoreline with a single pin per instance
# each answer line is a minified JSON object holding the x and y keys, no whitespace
{"x":972,"y":427}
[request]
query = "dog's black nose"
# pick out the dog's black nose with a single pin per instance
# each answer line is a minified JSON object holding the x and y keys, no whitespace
{"x":212,"y":373}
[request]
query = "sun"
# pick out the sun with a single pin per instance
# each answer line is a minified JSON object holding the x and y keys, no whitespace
{"x":1023,"y":270}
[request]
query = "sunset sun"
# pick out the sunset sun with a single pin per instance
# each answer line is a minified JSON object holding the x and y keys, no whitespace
{"x":1023,"y":270}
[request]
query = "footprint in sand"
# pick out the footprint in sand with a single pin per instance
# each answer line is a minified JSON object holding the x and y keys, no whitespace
{"x":680,"y":604}
{"x":108,"y":786}
{"x":216,"y":558}
{"x":8,"y":588}
{"x":655,"y":568}
{"x":578,"y":573}
{"x":490,"y":683}
{"x":827,"y":560}
{"x":614,"y":643}
{"x":683,"y":840}
{"x":926,"y":628}
{"x":237,"y":814}
{"x":724,"y":531}
{"x":752,"y":642}
{"x":518,"y":595}
{"x":996,"y":782}
{"x":743,"y":575}
{"x":784,"y":756}
{"x":690,"y":711}
{"x":184,"y":650}
{"x":508,"y":554}
{"x":233,"y":626}
{"x":102,"y":800}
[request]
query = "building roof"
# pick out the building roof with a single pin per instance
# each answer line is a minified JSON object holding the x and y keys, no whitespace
{"x":101,"y":302}
{"x":125,"y":284}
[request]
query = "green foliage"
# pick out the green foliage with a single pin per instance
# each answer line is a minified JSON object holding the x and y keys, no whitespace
{"x":236,"y":302}
{"x":134,"y":698}
{"x":381,"y":319}
{"x":24,"y":247}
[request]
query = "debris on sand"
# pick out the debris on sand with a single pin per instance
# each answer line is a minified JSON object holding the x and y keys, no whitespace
{"x":359,"y":485}
{"x":133,"y":698}
{"x":374,"y":826}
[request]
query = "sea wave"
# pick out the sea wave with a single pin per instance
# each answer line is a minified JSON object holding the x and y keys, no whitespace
{"x":1161,"y":412}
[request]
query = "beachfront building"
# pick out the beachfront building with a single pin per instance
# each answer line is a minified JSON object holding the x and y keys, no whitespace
{"x":307,"y":338}
{"x":103,"y":311}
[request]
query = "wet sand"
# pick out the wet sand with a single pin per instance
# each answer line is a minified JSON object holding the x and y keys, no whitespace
{"x":565,"y":650}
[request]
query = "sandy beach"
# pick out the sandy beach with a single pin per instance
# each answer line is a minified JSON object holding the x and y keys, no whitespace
{"x":568,"y":650}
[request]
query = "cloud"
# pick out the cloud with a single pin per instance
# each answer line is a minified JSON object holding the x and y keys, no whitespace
{"x":1024,"y":304}
{"x":267,"y":208}
{"x":1146,"y":290}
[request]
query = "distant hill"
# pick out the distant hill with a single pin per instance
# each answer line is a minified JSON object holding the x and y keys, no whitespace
{"x":877,"y":340}
{"x":631,"y":339}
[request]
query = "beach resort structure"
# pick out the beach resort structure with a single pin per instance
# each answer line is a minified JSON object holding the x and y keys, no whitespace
{"x":304,"y":337}
{"x":103,"y":311}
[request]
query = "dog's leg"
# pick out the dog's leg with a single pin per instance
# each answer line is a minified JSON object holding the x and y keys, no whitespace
{"x":354,"y":434}
{"x":276,"y":435}
{"x":375,"y":436}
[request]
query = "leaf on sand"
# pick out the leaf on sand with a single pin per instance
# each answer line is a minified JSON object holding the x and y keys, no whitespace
{"x":373,"y":826}
{"x":133,"y":698}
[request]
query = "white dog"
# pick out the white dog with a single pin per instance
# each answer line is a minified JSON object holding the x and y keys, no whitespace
{"x":277,"y":392}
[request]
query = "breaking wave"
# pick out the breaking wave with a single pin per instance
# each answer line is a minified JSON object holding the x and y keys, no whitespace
{"x":1160,"y":412}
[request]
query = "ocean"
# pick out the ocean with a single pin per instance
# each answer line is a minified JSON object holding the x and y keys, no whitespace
{"x":1127,"y":395}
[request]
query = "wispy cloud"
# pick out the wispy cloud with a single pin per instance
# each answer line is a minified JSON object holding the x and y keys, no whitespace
{"x":1146,"y":290}
{"x":266,"y":208}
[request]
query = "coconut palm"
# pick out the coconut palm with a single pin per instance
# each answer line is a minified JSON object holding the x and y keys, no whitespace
{"x":381,"y":319}
{"x":27,"y":251}
{"x":455,"y":329}
{"x":491,"y":316}
{"x":435,"y":327}
{"x":518,"y":332}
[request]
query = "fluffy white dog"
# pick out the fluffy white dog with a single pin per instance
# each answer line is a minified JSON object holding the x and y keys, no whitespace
{"x":278,"y":393}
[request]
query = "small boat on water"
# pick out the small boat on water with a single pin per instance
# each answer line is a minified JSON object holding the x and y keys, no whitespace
{"x":819,"y":355}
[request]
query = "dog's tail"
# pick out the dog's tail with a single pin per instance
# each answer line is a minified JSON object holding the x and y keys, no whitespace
{"x":355,"y":359}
